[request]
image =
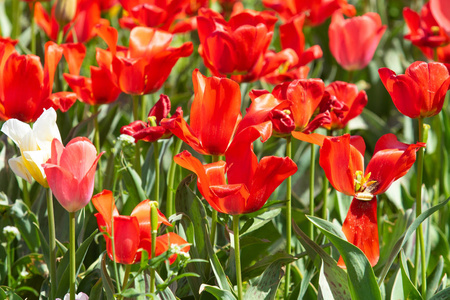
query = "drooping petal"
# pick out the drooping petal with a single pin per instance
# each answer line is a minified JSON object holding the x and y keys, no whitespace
{"x":361,"y":229}
{"x":180,"y":128}
{"x":17,"y":131}
{"x":391,"y":160}
{"x":18,"y":167}
{"x":340,"y":160}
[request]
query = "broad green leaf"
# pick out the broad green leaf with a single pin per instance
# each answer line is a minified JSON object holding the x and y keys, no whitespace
{"x":217,"y":292}
{"x":106,"y":279}
{"x":442,"y":295}
{"x":264,"y":263}
{"x":24,"y":220}
{"x":435,"y":278}
{"x":402,"y":240}
{"x":361,"y":278}
{"x":335,"y":279}
{"x":266,"y":287}
{"x":259,"y":221}
{"x":166,"y":294}
{"x":97,"y":290}
{"x":409,"y":290}
{"x":63,"y":272}
{"x":133,"y":185}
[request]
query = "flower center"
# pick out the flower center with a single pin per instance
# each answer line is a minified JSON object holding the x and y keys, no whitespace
{"x":364,"y":187}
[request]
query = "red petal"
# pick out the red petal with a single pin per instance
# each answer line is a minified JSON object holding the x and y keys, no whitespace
{"x":104,"y":203}
{"x":126,"y":239}
{"x":74,"y":55}
{"x":142,"y":213}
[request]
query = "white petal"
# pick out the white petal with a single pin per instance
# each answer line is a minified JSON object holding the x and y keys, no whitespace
{"x":37,"y":158}
{"x":18,"y":167}
{"x":16,"y":130}
{"x":45,"y":129}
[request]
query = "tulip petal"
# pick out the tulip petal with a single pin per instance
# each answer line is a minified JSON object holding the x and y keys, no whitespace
{"x":361,"y":229}
{"x":231,"y":198}
{"x":33,"y":162}
{"x":142,"y":213}
{"x":45,"y":130}
{"x":18,"y":167}
{"x":126,"y":239}
{"x":20,"y":133}
{"x":104,"y":203}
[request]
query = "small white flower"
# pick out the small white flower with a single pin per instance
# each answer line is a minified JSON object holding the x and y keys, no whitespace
{"x":24,"y":273}
{"x":126,"y":139}
{"x":11,"y":232}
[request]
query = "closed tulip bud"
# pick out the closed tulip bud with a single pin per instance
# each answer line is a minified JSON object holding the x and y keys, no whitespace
{"x":65,"y":11}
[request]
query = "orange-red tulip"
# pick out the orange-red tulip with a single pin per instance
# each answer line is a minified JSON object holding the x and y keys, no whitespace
{"x":134,"y":67}
{"x":215,"y":113}
{"x":133,"y":232}
{"x":353,"y":41}
{"x":342,"y":159}
{"x":420,"y":92}
{"x":70,"y":172}
{"x":27,"y":104}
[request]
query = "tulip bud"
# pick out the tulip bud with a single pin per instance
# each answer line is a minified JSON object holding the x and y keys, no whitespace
{"x":65,"y":11}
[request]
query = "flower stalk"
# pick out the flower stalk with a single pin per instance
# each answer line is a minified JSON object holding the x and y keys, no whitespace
{"x":52,"y":243}
{"x":237,"y":256}
{"x":288,"y":219}
{"x":72,"y":242}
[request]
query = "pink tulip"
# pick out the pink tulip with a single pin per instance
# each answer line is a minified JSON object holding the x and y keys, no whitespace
{"x":70,"y":172}
{"x":353,"y":41}
{"x":440,"y":9}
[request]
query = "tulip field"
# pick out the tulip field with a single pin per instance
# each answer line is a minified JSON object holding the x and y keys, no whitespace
{"x":224,"y":149}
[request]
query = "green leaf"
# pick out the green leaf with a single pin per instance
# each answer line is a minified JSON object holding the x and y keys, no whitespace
{"x":335,"y":279}
{"x":259,"y":221}
{"x":403,"y":239}
{"x":435,"y":278}
{"x":97,"y":290}
{"x":62,"y":273}
{"x":442,"y":295}
{"x":166,"y":294}
{"x":106,"y":279}
{"x":24,"y":219}
{"x":409,"y":290}
{"x":267,"y":285}
{"x":133,"y":185}
{"x":44,"y":245}
{"x":217,"y":292}
{"x":264,"y":263}
{"x":361,"y":278}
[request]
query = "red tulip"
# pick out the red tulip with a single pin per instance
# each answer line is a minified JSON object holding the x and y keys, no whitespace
{"x":441,"y":12}
{"x":290,"y":107}
{"x":134,"y":68}
{"x":248,"y":185}
{"x":27,"y":104}
{"x":420,"y":92}
{"x":70,"y":172}
{"x":342,"y":159}
{"x":424,"y":30}
{"x":86,"y":17}
{"x":317,"y":11}
{"x":133,"y":232}
{"x":353,"y":41}
{"x":215,"y":113}
{"x":100,"y":88}
{"x":236,"y":47}
{"x":152,"y":131}
{"x":353,"y":101}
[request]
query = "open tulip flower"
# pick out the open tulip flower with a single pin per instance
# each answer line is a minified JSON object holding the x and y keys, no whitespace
{"x":27,"y":104}
{"x":34,"y":145}
{"x":236,"y":47}
{"x":152,"y":130}
{"x":420,"y":92}
{"x":250,"y":183}
{"x":353,"y":41}
{"x":134,"y":67}
{"x":70,"y":172}
{"x":317,"y":10}
{"x":133,"y":232}
{"x":215,"y":113}
{"x":342,"y":159}
{"x":352,"y":100}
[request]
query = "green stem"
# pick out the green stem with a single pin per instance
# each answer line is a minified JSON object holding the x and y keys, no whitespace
{"x":33,"y":28}
{"x":171,"y":180}
{"x":72,"y":242}
{"x":137,"y":154}
{"x":26,"y":194}
{"x":325,"y":197}
{"x":154,"y":226}
{"x":157,"y":169}
{"x":113,"y":243}
{"x":312,"y":172}
{"x":16,"y":19}
{"x":9,"y":263}
{"x":215,"y":158}
{"x":126,"y":276}
{"x":420,"y":238}
{"x":97,"y":146}
{"x":288,"y":220}
{"x":237,"y":256}
{"x":52,"y":243}
{"x":60,"y":39}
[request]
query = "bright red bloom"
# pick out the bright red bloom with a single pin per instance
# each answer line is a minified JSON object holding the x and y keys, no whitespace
{"x":420,"y":92}
{"x":86,"y":17}
{"x":353,"y":41}
{"x":70,"y":172}
{"x":441,"y":12}
{"x":352,"y":100}
{"x":342,"y":159}
{"x":100,"y":88}
{"x":133,"y":232}
{"x":250,"y":183}
{"x":152,"y":131}
{"x":290,"y":107}
{"x":27,"y":104}
{"x":424,"y":30}
{"x":134,"y":67}
{"x":317,"y":11}
{"x":214,"y":115}
{"x":236,"y":47}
